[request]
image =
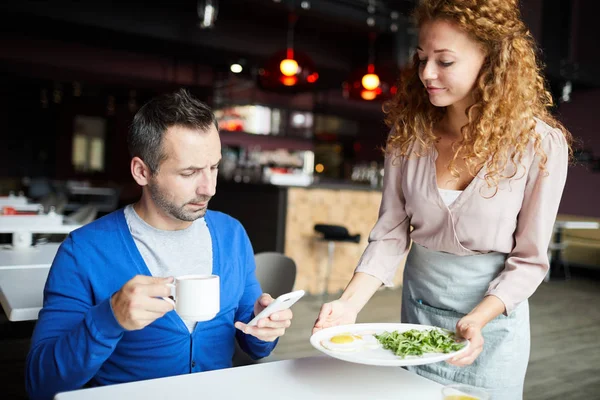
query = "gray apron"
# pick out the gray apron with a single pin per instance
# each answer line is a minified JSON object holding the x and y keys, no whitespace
{"x":439,"y":289}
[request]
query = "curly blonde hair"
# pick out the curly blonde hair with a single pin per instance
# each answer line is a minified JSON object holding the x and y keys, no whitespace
{"x":510,"y":91}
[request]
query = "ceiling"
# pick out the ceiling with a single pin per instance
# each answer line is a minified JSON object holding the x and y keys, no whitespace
{"x":333,"y":32}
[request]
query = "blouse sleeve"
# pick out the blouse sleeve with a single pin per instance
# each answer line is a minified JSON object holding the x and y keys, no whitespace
{"x":389,"y":238}
{"x":528,"y":263}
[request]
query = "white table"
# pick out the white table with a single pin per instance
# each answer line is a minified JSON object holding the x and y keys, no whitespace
{"x":38,"y":256}
{"x":23,"y":274}
{"x":557,"y":245}
{"x":22,"y":291}
{"x":13,"y":200}
{"x":576,"y":225}
{"x":23,"y":227}
{"x":33,"y":207}
{"x":303,"y":379}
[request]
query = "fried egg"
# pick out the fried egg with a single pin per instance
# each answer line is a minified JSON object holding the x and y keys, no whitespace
{"x":343,"y":342}
{"x":351,"y":342}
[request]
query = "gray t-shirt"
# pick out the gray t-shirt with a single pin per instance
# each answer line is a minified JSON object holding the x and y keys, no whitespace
{"x":172,"y":253}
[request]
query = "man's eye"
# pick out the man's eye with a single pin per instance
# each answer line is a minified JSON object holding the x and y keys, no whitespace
{"x":187,"y":174}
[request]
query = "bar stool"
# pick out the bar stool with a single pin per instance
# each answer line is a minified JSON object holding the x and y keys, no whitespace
{"x":332,"y":234}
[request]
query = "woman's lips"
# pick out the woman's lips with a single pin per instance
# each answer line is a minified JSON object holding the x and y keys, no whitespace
{"x":432,"y":89}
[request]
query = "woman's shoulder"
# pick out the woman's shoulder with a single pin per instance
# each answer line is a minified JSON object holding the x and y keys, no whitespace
{"x":550,"y":136}
{"x":415,"y":149}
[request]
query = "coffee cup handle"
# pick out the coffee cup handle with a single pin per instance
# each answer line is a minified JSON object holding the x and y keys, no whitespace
{"x":167,"y":299}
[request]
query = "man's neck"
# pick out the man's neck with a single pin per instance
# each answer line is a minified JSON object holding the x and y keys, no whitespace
{"x":155,"y":217}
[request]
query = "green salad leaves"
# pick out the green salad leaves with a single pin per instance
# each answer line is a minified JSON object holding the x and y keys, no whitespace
{"x":415,"y":342}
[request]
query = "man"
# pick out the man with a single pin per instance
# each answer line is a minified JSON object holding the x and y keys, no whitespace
{"x":103,"y":319}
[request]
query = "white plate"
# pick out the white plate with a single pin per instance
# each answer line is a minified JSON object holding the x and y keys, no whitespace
{"x":379,"y":356}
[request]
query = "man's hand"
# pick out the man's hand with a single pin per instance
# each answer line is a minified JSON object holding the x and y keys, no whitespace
{"x":267,"y":329}
{"x":138,"y":303}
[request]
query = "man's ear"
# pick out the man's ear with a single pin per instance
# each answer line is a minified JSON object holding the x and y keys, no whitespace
{"x":140,"y":171}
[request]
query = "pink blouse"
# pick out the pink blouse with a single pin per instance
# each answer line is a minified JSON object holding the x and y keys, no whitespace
{"x":517,"y":221}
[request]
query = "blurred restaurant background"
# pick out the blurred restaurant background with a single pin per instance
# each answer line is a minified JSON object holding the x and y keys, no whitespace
{"x":297,"y":87}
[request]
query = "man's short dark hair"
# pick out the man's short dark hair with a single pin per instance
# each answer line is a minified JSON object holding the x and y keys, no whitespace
{"x":156,"y":116}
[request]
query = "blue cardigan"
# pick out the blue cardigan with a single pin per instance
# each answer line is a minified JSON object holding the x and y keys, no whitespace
{"x":77,"y":339}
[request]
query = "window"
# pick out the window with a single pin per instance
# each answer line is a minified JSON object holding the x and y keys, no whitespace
{"x":88,"y":144}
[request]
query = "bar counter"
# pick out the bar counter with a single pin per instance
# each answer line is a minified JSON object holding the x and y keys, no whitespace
{"x":282,"y":219}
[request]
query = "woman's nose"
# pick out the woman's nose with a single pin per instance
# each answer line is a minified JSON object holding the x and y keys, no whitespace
{"x":429,"y":72}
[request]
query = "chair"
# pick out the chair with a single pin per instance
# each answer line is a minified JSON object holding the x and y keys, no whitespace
{"x":332,"y":234}
{"x":82,"y":216}
{"x":276,"y":274}
{"x":56,"y":200}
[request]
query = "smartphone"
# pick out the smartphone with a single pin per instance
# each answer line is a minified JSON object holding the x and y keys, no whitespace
{"x":283,"y":302}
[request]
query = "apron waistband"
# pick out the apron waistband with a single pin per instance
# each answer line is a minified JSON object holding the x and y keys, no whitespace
{"x":447,"y":281}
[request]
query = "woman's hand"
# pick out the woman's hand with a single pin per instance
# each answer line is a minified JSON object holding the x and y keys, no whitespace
{"x":338,"y":312}
{"x":345,"y":310}
{"x":468,"y":328}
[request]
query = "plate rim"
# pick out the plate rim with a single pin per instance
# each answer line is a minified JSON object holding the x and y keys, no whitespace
{"x":315,"y":341}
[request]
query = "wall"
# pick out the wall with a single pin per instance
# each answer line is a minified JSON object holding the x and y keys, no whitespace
{"x":582,"y":117}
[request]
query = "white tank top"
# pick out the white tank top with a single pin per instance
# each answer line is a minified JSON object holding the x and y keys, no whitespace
{"x":449,"y":195}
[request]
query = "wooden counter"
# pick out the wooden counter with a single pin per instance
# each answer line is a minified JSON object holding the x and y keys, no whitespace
{"x":356,"y":209}
{"x":282,"y":219}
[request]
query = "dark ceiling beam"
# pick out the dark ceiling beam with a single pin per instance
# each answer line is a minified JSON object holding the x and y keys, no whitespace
{"x":241,"y":38}
{"x":86,"y":60}
{"x":354,"y":12}
{"x":334,"y":34}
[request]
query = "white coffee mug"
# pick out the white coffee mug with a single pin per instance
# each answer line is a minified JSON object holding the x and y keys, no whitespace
{"x":197,"y":297}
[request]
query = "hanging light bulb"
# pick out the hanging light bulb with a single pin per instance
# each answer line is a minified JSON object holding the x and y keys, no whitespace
{"x":355,"y":88}
{"x":370,"y":80}
{"x":367,"y":85}
{"x":363,"y":83}
{"x":289,"y":66}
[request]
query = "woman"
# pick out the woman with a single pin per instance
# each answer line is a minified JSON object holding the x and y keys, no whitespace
{"x":476,"y":165}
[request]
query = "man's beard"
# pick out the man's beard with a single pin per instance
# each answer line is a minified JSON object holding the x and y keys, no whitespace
{"x":179,"y":212}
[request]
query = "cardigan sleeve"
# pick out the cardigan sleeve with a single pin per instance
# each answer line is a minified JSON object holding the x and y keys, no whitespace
{"x":72,"y":337}
{"x":253,"y":346}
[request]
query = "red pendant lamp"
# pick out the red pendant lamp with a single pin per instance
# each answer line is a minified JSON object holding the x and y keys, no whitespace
{"x":289,"y":68}
{"x":366,"y":83}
